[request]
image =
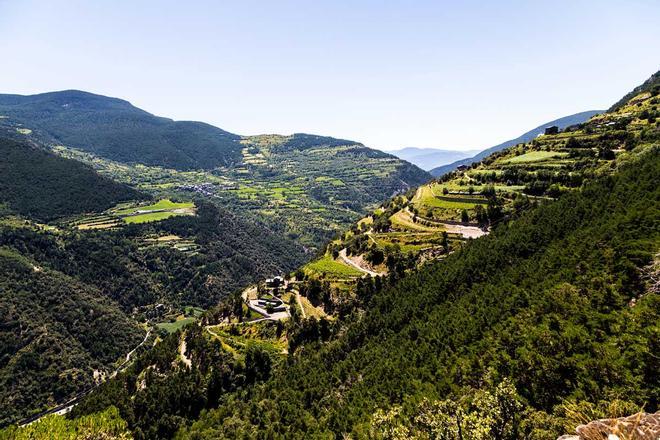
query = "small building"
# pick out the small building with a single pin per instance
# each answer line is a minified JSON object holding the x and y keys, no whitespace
{"x":275,"y":282}
{"x":553,"y":129}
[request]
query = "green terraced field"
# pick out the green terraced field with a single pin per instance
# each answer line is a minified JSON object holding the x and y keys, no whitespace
{"x":127,"y":213}
{"x":164,"y":204}
{"x":427,"y":197}
{"x":148,"y":217}
{"x":409,"y":241}
{"x":171,"y":327}
{"x":402,"y":220}
{"x":535,"y":156}
{"x":331,"y":268}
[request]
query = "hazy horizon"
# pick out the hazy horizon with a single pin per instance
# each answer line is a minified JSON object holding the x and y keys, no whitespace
{"x":439,"y":75}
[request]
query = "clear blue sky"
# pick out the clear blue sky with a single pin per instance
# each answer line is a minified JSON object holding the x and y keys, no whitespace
{"x":452,"y":74}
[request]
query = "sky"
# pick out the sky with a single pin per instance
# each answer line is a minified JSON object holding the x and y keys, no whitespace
{"x":390,"y":74}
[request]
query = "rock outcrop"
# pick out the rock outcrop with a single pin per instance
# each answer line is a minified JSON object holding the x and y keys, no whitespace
{"x":640,"y":426}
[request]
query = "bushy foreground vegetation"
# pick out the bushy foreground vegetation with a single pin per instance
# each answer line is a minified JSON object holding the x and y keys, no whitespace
{"x":106,"y":425}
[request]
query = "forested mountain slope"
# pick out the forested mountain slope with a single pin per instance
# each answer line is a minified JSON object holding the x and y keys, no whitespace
{"x":44,"y":186}
{"x":535,"y":303}
{"x":549,"y":318}
{"x":561,"y":123}
{"x":113,"y":128}
{"x":55,"y":331}
{"x":71,"y":300}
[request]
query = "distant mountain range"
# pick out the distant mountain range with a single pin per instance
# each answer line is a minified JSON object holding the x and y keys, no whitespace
{"x":269,"y":178}
{"x":429,"y":158}
{"x":561,"y":123}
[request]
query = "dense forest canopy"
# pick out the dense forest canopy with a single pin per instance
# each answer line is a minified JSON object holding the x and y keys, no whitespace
{"x":41,"y":185}
{"x":115,"y":129}
{"x":55,"y":331}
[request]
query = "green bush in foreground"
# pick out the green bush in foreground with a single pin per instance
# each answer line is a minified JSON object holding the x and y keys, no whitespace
{"x":105,"y":425}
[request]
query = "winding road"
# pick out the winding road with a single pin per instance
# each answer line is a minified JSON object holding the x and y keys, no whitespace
{"x":182,"y":351}
{"x":69,"y":404}
{"x":345,"y":259}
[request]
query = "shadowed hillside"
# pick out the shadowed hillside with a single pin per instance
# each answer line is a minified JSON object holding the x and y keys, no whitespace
{"x":38,"y":184}
{"x":115,"y":129}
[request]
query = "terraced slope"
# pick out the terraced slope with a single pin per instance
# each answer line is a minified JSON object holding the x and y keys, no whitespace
{"x":437,"y":217}
{"x":305,"y":187}
{"x":561,"y":123}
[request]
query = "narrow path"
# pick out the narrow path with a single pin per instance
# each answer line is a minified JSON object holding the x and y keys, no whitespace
{"x":304,"y":315}
{"x":345,"y":259}
{"x":130,"y":353}
{"x":464,"y":230}
{"x":182,"y":352}
{"x":68,"y":405}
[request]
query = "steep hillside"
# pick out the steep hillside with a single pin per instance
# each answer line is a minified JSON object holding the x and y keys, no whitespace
{"x":513,"y":336}
{"x":55,"y":331}
{"x":39,"y":184}
{"x":561,"y":123}
{"x":114,"y":129}
{"x":547,"y":319}
{"x":524,"y":318}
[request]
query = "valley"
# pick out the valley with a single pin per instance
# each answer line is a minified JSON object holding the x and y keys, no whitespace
{"x":159,"y":244}
{"x":313,"y":286}
{"x":303,"y":186}
{"x":329,"y":220}
{"x":307,"y":195}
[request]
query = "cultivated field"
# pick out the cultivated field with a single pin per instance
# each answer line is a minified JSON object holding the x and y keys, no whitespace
{"x":127,"y":213}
